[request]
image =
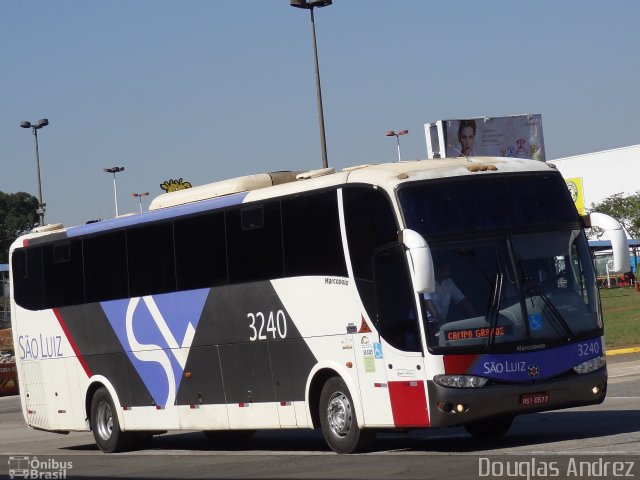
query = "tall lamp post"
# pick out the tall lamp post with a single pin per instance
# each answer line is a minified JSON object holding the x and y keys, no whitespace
{"x":114,"y":170}
{"x":391,"y":133}
{"x":139,"y":196}
{"x":34,"y":128}
{"x":310,"y":5}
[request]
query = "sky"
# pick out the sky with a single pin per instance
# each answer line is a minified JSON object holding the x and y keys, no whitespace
{"x":206,"y":90}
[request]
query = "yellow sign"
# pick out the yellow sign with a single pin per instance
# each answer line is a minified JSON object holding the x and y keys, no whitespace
{"x":174,"y":185}
{"x":577,"y":193}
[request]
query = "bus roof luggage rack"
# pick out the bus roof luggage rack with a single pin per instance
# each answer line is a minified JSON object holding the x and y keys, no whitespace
{"x":224,"y":187}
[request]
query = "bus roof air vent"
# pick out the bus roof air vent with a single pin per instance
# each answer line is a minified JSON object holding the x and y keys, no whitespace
{"x":315,"y":173}
{"x":357,"y":167}
{"x":224,"y":187}
{"x":51,"y":227}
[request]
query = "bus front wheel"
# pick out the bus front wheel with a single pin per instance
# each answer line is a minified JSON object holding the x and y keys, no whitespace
{"x":105,"y":425}
{"x":338,"y":419}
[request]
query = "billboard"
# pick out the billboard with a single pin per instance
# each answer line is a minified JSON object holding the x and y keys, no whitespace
{"x":518,"y":136}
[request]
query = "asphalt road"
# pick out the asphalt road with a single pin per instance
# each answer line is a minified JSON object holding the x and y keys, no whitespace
{"x":600,"y":441}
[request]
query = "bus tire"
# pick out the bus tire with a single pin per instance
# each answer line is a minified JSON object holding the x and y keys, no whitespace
{"x":338,"y":419}
{"x":489,"y":427}
{"x":105,"y":425}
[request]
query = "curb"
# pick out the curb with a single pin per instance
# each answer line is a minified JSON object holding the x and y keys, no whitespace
{"x":620,"y":351}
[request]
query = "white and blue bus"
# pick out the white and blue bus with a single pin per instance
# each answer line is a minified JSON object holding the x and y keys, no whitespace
{"x":306,"y":300}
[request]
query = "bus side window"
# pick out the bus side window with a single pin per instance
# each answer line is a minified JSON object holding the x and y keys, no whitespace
{"x":311,"y":235}
{"x":150,"y":259}
{"x":254,"y":248}
{"x":62,"y":267}
{"x":105,"y":267}
{"x":370,"y":224}
{"x":397,"y":319}
{"x":201,"y":251}
{"x":27,"y":278}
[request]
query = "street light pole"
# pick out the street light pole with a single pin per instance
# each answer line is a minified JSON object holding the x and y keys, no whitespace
{"x":114,"y":170}
{"x":391,"y":133}
{"x":140,"y":195}
{"x":34,"y":128}
{"x":310,"y":5}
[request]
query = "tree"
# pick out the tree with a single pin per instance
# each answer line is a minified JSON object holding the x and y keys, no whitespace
{"x":625,"y":209}
{"x":17,"y":216}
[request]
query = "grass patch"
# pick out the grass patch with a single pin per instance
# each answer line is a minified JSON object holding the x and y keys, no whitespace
{"x":621,"y":310}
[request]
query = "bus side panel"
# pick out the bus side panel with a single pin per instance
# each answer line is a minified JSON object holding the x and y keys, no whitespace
{"x":371,"y":360}
{"x":409,"y":403}
{"x":203,"y":417}
{"x":328,"y":313}
{"x":250,"y":384}
{"x":200,"y":399}
{"x":219,"y":361}
{"x":56,"y":386}
{"x":247,"y":352}
{"x":101,"y":352}
{"x":33,"y":393}
{"x":265,"y":365}
{"x":202,"y":383}
{"x":62,"y":393}
{"x":51,"y":376}
{"x":282,"y":381}
{"x":40,"y":346}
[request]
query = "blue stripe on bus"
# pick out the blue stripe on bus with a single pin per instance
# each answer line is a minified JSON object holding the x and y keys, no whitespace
{"x":155,"y":215}
{"x":539,"y":365}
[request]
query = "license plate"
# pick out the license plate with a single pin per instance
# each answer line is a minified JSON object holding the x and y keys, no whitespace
{"x":531,"y":399}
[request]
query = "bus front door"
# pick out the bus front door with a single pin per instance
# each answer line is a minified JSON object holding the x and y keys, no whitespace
{"x":398,"y":322}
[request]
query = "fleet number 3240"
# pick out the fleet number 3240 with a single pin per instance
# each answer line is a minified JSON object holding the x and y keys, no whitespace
{"x":263,"y":327}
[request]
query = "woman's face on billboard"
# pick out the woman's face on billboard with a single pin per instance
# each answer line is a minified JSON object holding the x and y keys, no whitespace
{"x":466,"y":140}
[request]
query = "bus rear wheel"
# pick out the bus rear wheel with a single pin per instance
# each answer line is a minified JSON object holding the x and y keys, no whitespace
{"x":489,"y":428}
{"x":338,"y":419}
{"x":105,"y":425}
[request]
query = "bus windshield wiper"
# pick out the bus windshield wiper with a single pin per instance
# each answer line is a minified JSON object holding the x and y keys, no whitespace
{"x":494,"y":307}
{"x":535,"y":289}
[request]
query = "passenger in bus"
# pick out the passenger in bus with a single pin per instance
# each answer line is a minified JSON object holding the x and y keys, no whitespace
{"x":439,"y":302}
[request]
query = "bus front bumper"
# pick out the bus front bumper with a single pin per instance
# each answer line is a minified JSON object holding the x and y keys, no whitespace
{"x":455,"y":406}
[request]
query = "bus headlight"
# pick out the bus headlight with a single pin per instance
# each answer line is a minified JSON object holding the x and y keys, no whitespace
{"x":590,"y":365}
{"x":460,"y":381}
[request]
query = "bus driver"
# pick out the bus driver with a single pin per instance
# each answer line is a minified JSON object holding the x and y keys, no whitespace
{"x":438,"y":302}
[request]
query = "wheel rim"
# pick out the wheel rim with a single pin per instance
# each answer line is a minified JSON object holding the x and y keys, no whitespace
{"x":339,"y":414}
{"x":104,"y":421}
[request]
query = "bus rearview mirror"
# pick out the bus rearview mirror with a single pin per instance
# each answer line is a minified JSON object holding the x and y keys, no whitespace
{"x":421,"y":263}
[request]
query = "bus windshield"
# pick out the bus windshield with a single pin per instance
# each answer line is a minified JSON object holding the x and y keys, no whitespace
{"x":463,"y":206}
{"x":505,"y":287}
